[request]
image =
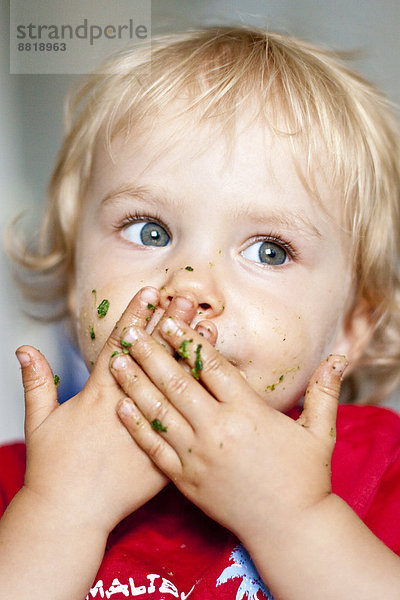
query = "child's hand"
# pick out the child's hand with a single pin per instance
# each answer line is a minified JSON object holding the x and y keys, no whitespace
{"x":248,"y":466}
{"x":80,"y":459}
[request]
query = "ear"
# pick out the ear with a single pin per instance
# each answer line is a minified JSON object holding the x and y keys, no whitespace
{"x":357,"y":331}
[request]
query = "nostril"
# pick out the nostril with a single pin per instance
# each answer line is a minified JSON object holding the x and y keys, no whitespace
{"x":204,"y":306}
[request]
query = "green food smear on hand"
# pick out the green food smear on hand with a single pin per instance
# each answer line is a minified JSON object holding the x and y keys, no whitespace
{"x":182,"y":350}
{"x":103,"y":307}
{"x":189,"y":268}
{"x":56,"y":380}
{"x":157,"y":425}
{"x":114,"y":353}
{"x":151,"y":307}
{"x":125,"y":346}
{"x":198,"y":365}
{"x":92,"y":333}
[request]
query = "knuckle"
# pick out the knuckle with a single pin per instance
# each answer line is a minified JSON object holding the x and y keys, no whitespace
{"x":176,"y":384}
{"x":144,"y":350}
{"x":33,"y":383}
{"x":159,"y":410}
{"x":329,"y":390}
{"x":113,"y":342}
{"x":213,"y":364}
{"x":155,"y":451}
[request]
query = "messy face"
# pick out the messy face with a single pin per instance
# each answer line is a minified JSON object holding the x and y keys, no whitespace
{"x":268,"y":264}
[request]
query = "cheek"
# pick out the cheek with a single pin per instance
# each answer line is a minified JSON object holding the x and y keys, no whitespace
{"x":283,"y":360}
{"x":93,"y":329}
{"x":278,"y":350}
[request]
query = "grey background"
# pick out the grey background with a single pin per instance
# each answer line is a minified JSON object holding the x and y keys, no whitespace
{"x":31,"y":108}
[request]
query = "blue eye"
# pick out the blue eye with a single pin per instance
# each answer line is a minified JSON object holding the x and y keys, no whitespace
{"x":266,"y":252}
{"x":146,"y":233}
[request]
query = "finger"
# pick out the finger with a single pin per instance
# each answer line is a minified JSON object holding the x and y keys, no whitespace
{"x":181,"y":307}
{"x":39,"y":387}
{"x":206,"y":363}
{"x":149,"y":440}
{"x":173,"y":381}
{"x":208,"y":331}
{"x":136,"y":313}
{"x":322,"y":396}
{"x":153,"y":405}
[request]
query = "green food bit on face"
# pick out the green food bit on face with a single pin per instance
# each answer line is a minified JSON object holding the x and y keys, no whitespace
{"x":151,"y":307}
{"x":92,"y":333}
{"x":198,"y":365}
{"x":182,"y":350}
{"x":189,"y":268}
{"x":114,"y":353}
{"x":93,"y":291}
{"x":270,"y":388}
{"x":56,"y":380}
{"x":157,"y":425}
{"x":103,"y":307}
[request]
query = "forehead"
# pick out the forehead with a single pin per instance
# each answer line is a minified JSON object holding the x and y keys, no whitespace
{"x":190,"y":155}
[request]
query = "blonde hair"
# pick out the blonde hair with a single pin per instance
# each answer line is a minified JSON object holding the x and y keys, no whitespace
{"x":304,"y":92}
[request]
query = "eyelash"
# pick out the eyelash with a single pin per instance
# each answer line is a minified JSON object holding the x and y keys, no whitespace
{"x":136,"y":217}
{"x":141,"y":218}
{"x":276,"y":239}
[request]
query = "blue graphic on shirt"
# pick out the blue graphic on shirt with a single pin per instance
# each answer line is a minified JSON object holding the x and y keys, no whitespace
{"x":244,"y":568}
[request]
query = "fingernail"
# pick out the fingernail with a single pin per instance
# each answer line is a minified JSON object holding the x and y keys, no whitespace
{"x":129,"y":336}
{"x":23,"y":358}
{"x":170,"y":326}
{"x":339,"y":363}
{"x":206,"y":333}
{"x":125,"y":408}
{"x":149,"y":295}
{"x":119,"y":363}
{"x":183,"y":303}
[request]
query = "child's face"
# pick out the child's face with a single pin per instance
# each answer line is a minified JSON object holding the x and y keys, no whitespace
{"x":268,"y":265}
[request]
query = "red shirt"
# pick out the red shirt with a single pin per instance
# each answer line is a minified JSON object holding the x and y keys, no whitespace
{"x":170,"y":549}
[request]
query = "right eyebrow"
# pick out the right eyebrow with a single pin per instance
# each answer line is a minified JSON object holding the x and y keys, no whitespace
{"x":143,"y":193}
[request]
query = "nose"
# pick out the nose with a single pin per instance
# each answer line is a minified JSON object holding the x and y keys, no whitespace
{"x":198,"y":281}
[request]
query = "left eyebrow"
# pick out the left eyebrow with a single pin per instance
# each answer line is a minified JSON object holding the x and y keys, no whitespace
{"x":282,"y":218}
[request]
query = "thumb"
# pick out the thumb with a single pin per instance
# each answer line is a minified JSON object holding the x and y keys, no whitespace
{"x":322,"y":396}
{"x":39,"y":387}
